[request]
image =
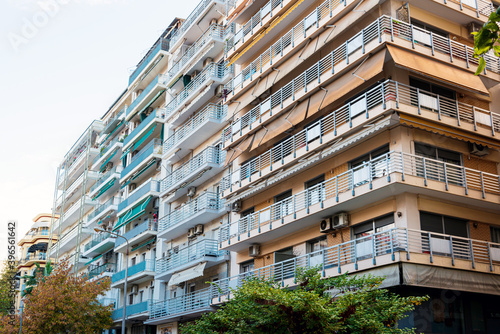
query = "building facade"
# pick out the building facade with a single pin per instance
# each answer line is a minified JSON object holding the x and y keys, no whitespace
{"x":33,"y":249}
{"x":258,"y":136}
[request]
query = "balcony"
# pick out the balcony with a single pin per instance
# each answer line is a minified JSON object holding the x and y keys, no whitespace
{"x":145,"y":129}
{"x":153,"y":150}
{"x":369,"y":39}
{"x":68,"y":240}
{"x":107,"y":182}
{"x":74,"y":190}
{"x":200,"y":210}
{"x":113,"y":122}
{"x":133,"y":311}
{"x":103,"y":212}
{"x":194,"y":132}
{"x":141,"y":272}
{"x":201,"y":251}
{"x":149,"y":188}
{"x":100,"y":243}
{"x":70,"y":216}
{"x":107,"y":301}
{"x":388,"y":175}
{"x":381,"y":99}
{"x":473,"y":8}
{"x":32,"y":258}
{"x":147,"y":97}
{"x":159,"y":48}
{"x":199,"y":18}
{"x":198,"y":92}
{"x":207,"y":45}
{"x":101,"y":271}
{"x":137,"y":235}
{"x":191,"y":305}
{"x":193,"y":172}
{"x":75,"y":165}
{"x":107,"y":154}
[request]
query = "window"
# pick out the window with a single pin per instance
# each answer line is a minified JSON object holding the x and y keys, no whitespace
{"x":432,"y":88}
{"x":281,"y":151}
{"x":247,"y":266}
{"x":131,"y":299}
{"x":495,"y":234}
{"x":314,"y":246}
{"x":435,"y":170}
{"x":314,"y":195}
{"x":364,"y":233}
{"x":282,"y":207}
{"x":143,"y":257}
{"x":362,"y":169}
{"x":429,"y":28}
{"x":44,"y":231}
{"x":133,"y":261}
{"x":437,"y":153}
{"x":141,"y":296}
{"x":443,"y":224}
{"x":372,"y":226}
{"x":283,"y":271}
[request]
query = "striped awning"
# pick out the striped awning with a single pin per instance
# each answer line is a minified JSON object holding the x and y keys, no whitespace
{"x":133,"y":213}
{"x":103,"y":166}
{"x":105,"y":188}
{"x":150,"y":241}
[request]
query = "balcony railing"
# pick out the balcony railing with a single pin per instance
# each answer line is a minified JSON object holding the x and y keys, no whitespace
{"x":149,"y":186}
{"x":380,"y":95}
{"x":33,"y":257}
{"x":189,"y":302}
{"x":113,"y":201}
{"x":383,"y":166}
{"x":210,"y":155}
{"x":212,"y":112}
{"x":145,"y":226}
{"x":255,"y":21}
{"x":482,"y":6}
{"x":146,"y":265}
{"x":154,"y":147}
{"x":107,"y":301}
{"x":206,"y":201}
{"x":214,"y":31}
{"x":97,"y":238}
{"x":213,"y":70}
{"x":69,"y":191}
{"x":157,"y":113}
{"x":113,"y":121}
{"x":194,"y":252}
{"x":132,"y":309}
{"x":106,"y":149}
{"x":95,"y":271}
{"x":192,"y":18}
{"x":104,"y":179}
{"x":160,"y":45}
{"x":159,"y":80}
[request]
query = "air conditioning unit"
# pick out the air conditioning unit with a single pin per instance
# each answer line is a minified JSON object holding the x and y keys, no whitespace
{"x":219,"y":91}
{"x":135,"y":289}
{"x":191,"y":232}
{"x":156,"y":203}
{"x":473,"y":27}
{"x":108,"y":166}
{"x":198,"y":229}
{"x":236,"y":206}
{"x":132,"y":186}
{"x":191,"y":191}
{"x":213,"y":21}
{"x":340,"y":220}
{"x":478,"y":150}
{"x":207,"y":61}
{"x":326,"y":225}
{"x":254,"y":250}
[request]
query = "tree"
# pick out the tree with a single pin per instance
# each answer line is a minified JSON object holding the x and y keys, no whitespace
{"x":63,"y":303}
{"x":486,"y":39}
{"x":7,"y":284}
{"x":32,"y":280}
{"x":356,"y":305}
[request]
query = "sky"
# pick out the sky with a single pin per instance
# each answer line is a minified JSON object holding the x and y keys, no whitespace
{"x":62,"y":64}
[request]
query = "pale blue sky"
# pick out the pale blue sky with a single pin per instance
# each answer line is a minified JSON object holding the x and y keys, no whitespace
{"x":57,"y":78}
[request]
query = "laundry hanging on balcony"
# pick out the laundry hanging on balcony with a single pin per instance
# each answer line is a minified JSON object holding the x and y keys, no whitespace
{"x":133,"y":213}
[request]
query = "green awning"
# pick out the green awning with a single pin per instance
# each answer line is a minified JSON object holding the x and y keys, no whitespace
{"x":133,"y":213}
{"x":144,"y":137}
{"x":117,"y":127}
{"x":94,"y":259}
{"x":152,"y":100}
{"x":136,"y":175}
{"x":144,"y":244}
{"x":176,"y":80}
{"x":103,"y":166}
{"x":104,"y":188}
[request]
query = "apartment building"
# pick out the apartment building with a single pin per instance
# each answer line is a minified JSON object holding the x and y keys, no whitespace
{"x":33,"y":249}
{"x":258,"y":136}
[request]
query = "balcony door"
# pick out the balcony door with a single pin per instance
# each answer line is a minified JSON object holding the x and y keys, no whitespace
{"x":366,"y":244}
{"x":283,"y":205}
{"x":283,"y":270}
{"x":441,"y":230}
{"x":315,"y":190}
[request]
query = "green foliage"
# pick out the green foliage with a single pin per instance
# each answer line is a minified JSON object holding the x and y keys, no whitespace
{"x":7,"y":298}
{"x":486,"y":39}
{"x":32,"y":280}
{"x":343,"y":304}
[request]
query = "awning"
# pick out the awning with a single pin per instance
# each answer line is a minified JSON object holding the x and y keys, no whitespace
{"x":144,"y":137}
{"x":37,"y":247}
{"x":108,"y":185}
{"x":187,"y":274}
{"x":445,"y":130}
{"x":116,"y":128}
{"x":238,"y":150}
{"x":437,"y":70}
{"x":103,"y":166}
{"x":94,"y":259}
{"x":144,"y":244}
{"x":136,"y":175}
{"x":133,"y":213}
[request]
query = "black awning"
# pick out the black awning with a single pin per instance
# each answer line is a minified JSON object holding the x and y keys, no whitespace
{"x":38,"y":247}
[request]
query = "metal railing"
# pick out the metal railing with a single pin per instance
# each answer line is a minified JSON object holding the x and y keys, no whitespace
{"x":107,"y":301}
{"x":74,"y":207}
{"x":94,"y":271}
{"x":380,"y":167}
{"x":212,"y":112}
{"x":154,"y":147}
{"x":157,"y":113}
{"x":161,"y":44}
{"x":104,"y":178}
{"x":210,"y":155}
{"x":113,"y":201}
{"x":133,"y":309}
{"x":192,"y":253}
{"x":255,"y":21}
{"x":147,"y":225}
{"x":97,"y":238}
{"x":146,"y":265}
{"x":160,"y":79}
{"x":206,"y":201}
{"x":384,"y":25}
{"x":212,"y":71}
{"x":148,"y":186}
{"x":189,"y":302}
{"x":192,"y":18}
{"x":214,"y":31}
{"x":33,"y":257}
{"x":74,"y":185}
{"x":482,"y":6}
{"x":112,"y":119}
{"x":105,"y":149}
{"x":380,"y":95}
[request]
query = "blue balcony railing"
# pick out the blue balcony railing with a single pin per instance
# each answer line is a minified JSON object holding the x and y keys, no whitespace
{"x":145,"y":123}
{"x":148,"y":225}
{"x":190,"y":302}
{"x":150,"y":186}
{"x":154,"y":147}
{"x":160,"y":45}
{"x":159,"y":80}
{"x":97,"y":238}
{"x":133,"y":309}
{"x":146,"y":265}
